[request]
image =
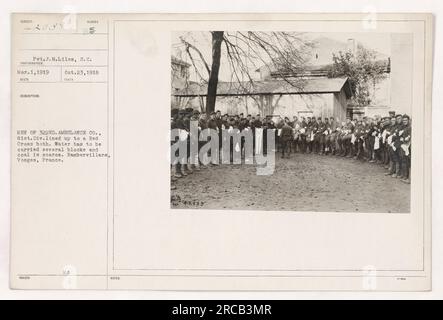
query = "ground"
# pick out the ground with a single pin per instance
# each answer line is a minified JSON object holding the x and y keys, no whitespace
{"x":305,"y":182}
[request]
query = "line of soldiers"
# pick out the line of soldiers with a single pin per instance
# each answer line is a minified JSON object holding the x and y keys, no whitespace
{"x":384,"y":140}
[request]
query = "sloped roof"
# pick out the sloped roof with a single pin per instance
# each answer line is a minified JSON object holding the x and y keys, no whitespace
{"x":299,"y":86}
{"x":179,"y":61}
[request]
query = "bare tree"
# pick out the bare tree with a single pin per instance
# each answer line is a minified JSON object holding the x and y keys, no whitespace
{"x":283,"y":53}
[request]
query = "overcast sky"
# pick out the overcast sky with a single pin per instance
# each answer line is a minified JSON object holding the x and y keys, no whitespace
{"x":328,"y":42}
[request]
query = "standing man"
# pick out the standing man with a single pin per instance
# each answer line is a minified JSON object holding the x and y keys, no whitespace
{"x":296,"y":125}
{"x":318,"y":136}
{"x":175,"y":167}
{"x":257,"y":125}
{"x":395,"y":143}
{"x":194,"y":163}
{"x":219,"y":122}
{"x":359,"y":133}
{"x":213,"y":124}
{"x":331,"y":138}
{"x":348,"y":132}
{"x":324,"y":135}
{"x":309,"y":134}
{"x":314,"y":129}
{"x":202,"y":125}
{"x":405,"y":150}
{"x":286,"y":137}
{"x":302,"y":134}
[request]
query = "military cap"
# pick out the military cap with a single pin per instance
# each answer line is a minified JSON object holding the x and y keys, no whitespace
{"x":196,"y":112}
{"x":218,"y":111}
{"x":249,"y":115}
{"x":392,"y":113}
{"x":212,"y":113}
{"x":405,"y":116}
{"x":189,"y":110}
{"x":398,"y":116}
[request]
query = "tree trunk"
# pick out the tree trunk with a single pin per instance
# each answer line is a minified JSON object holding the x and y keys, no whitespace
{"x":217,"y":39}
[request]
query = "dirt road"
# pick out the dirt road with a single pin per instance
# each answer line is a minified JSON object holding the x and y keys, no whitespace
{"x":305,"y":182}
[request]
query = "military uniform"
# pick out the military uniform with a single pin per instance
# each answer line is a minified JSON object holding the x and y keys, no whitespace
{"x":405,"y":136}
{"x":394,"y":145}
{"x":295,"y":124}
{"x":256,"y":123}
{"x":331,"y":138}
{"x":213,"y":124}
{"x":312,"y":128}
{"x":324,"y":133}
{"x":286,"y":137}
{"x":359,"y":133}
{"x":346,"y":139}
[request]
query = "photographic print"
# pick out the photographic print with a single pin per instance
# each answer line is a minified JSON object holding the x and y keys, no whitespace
{"x":295,"y":121}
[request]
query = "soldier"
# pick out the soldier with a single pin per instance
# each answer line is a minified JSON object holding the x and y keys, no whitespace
{"x":175,"y":167}
{"x":318,"y":134}
{"x":286,"y":137}
{"x":389,"y":133}
{"x":249,"y":121}
{"x":369,"y":139}
{"x":202,"y":125}
{"x":296,"y":125}
{"x":347,"y":137}
{"x":256,"y":124}
{"x":309,"y":134}
{"x":243,"y":126}
{"x":187,"y":123}
{"x":389,"y":124}
{"x":219,"y":121}
{"x":194,"y":165}
{"x":340,"y":134}
{"x":375,"y":133}
{"x":270,"y":126}
{"x":359,"y":133}
{"x":302,"y":135}
{"x":405,"y":149}
{"x":324,"y":132}
{"x":213,"y":124}
{"x":218,"y":117}
{"x":181,"y":123}
{"x":394,"y":144}
{"x":331,"y":138}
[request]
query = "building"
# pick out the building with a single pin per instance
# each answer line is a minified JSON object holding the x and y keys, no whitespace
{"x":312,"y":91}
{"x":278,"y":93}
{"x":316,"y":96}
{"x":179,"y":79}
